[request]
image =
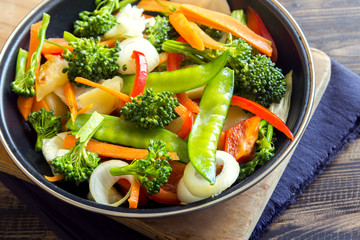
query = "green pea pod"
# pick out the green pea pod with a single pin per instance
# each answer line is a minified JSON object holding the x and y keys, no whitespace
{"x":205,"y":133}
{"x":119,"y":131}
{"x":180,"y":80}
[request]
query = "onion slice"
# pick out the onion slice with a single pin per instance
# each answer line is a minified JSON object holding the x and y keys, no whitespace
{"x":101,"y":184}
{"x":199,"y":187}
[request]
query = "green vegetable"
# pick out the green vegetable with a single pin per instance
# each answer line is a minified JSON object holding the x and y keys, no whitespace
{"x":264,"y":150}
{"x":152,"y":171}
{"x":212,"y":32}
{"x":119,"y":131}
{"x":151,"y":110}
{"x":179,"y":80}
{"x":90,"y":59}
{"x":161,"y":31}
{"x":240,"y":16}
{"x":45,"y":124}
{"x":205,"y":133}
{"x":25,"y":80}
{"x":256,"y":76}
{"x":79,"y":163}
{"x":99,"y":21}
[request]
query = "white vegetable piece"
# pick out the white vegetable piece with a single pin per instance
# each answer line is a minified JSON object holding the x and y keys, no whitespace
{"x":127,"y":64}
{"x":216,"y":5}
{"x":52,"y":148}
{"x":282,"y":108}
{"x":130,"y":23}
{"x":101,"y":184}
{"x":193,"y":187}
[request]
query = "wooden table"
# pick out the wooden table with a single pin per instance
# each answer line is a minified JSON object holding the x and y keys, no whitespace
{"x":330,"y":206}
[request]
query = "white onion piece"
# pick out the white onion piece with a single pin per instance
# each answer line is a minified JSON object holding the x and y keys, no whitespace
{"x":200,"y":187}
{"x":101,"y":184}
{"x":140,"y":44}
{"x":184,"y":195}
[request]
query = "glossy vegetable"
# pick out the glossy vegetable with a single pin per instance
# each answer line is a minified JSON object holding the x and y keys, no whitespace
{"x":180,"y":80}
{"x":119,"y":131}
{"x":263,"y":113}
{"x":204,"y":136}
{"x":141,"y":73}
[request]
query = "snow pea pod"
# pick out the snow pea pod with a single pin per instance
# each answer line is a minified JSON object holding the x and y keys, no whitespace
{"x":180,"y":80}
{"x":205,"y":133}
{"x":119,"y":131}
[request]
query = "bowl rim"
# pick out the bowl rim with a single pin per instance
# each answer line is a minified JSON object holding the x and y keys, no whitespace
{"x":95,"y":207}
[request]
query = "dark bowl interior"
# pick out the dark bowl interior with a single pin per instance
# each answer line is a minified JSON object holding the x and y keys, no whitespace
{"x":18,"y":138}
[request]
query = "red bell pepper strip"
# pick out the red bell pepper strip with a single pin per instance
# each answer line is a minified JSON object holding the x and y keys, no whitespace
{"x":255,"y":23}
{"x":240,"y":140}
{"x":188,"y":118}
{"x":263,"y":113}
{"x":140,"y":75}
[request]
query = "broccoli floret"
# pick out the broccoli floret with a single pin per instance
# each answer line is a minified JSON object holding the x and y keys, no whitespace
{"x":256,"y":76}
{"x":152,"y":171}
{"x":264,"y":150}
{"x":151,"y":110}
{"x":99,"y":21}
{"x":161,"y":31}
{"x":90,"y":59}
{"x":25,"y":80}
{"x":45,"y":124}
{"x":212,"y":32}
{"x":79,"y":163}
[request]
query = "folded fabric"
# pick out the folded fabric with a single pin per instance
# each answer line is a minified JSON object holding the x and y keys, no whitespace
{"x":322,"y":141}
{"x":334,"y":124}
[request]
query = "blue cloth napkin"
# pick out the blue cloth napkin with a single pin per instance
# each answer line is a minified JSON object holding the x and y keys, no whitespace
{"x":335,"y":123}
{"x":322,"y":141}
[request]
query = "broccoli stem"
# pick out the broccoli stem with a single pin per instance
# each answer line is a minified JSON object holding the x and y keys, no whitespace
{"x":195,"y":55}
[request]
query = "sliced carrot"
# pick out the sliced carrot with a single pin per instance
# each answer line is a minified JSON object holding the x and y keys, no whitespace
{"x":134,"y":195}
{"x":187,"y":102}
{"x":85,"y":109}
{"x":154,"y":6}
{"x":55,"y":178}
{"x":25,"y":105}
{"x":37,"y":105}
{"x":221,"y":143}
{"x":34,"y":41}
{"x":112,"y":150}
{"x":207,"y":40}
{"x":70,"y":99}
{"x":125,"y":185}
{"x":183,"y":27}
{"x":120,"y":95}
{"x":49,"y":48}
{"x":110,"y":42}
{"x":225,"y":23}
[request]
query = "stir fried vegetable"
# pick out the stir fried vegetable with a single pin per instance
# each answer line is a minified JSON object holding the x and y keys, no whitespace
{"x":171,"y":91}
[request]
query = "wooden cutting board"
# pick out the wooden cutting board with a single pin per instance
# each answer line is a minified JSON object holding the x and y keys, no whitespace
{"x":233,"y":219}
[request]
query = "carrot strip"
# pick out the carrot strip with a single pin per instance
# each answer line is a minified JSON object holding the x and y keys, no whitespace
{"x":154,"y":6}
{"x":70,"y":99}
{"x":221,"y":143}
{"x":37,"y":105}
{"x":49,"y":48}
{"x":225,"y":23}
{"x":187,"y":102}
{"x":55,"y":178}
{"x":134,"y":195}
{"x":207,"y":40}
{"x":110,"y":42}
{"x":183,"y":27}
{"x":120,"y":95}
{"x":25,"y":105}
{"x":85,"y":109}
{"x":105,"y":149}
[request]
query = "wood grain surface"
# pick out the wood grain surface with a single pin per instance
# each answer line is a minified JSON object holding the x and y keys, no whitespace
{"x":329,"y":208}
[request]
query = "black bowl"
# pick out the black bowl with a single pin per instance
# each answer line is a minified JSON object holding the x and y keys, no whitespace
{"x":18,"y":138}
